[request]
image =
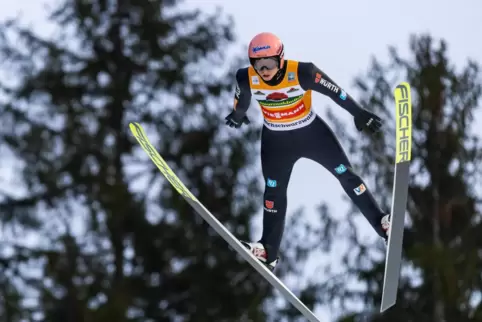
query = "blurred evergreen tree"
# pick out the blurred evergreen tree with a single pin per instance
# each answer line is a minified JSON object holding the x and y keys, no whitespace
{"x":92,"y":231}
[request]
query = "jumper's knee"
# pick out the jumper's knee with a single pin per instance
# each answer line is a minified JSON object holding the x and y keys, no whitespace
{"x":349,"y":179}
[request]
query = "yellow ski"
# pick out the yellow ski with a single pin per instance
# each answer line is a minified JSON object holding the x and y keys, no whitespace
{"x":141,"y":137}
{"x":393,"y":261}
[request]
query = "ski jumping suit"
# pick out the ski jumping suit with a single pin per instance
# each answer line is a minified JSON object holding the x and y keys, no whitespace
{"x":292,"y":130}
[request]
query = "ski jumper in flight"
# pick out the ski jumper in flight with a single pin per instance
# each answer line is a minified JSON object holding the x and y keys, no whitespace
{"x":292,"y":130}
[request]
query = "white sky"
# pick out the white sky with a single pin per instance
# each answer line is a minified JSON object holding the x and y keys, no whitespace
{"x":339,"y":37}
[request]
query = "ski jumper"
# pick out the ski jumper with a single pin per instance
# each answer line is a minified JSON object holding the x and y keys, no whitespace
{"x":292,"y":130}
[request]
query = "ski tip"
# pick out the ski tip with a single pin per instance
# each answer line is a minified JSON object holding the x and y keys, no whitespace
{"x":133,"y":126}
{"x":401,"y":85}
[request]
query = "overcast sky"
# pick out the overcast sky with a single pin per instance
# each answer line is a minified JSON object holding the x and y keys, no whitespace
{"x":339,"y":37}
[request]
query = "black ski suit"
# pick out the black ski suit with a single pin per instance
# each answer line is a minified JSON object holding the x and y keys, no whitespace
{"x":291,"y":131}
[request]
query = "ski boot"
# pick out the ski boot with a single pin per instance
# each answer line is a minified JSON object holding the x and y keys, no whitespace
{"x":258,"y":250}
{"x":386,"y":226}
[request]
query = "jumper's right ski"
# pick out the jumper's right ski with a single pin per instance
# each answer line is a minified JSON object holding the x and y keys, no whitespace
{"x":141,"y":137}
{"x":400,"y":193}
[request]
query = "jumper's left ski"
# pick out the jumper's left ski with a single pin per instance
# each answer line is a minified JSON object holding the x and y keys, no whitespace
{"x":141,"y":137}
{"x":393,"y":260}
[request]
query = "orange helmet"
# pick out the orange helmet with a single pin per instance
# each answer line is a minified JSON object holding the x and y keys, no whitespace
{"x":266,"y":45}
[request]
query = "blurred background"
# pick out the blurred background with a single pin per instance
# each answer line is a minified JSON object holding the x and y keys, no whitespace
{"x":91,"y":231}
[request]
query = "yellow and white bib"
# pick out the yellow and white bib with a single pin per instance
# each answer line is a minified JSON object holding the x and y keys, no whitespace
{"x":285,"y":106}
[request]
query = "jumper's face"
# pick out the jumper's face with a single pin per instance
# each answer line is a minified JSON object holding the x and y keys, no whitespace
{"x":268,"y":74}
{"x":266,"y":68}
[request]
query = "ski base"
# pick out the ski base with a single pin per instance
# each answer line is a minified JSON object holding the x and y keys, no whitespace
{"x":161,"y":164}
{"x":393,"y":259}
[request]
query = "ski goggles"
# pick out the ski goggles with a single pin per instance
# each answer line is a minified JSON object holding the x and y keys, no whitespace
{"x":265,"y":63}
